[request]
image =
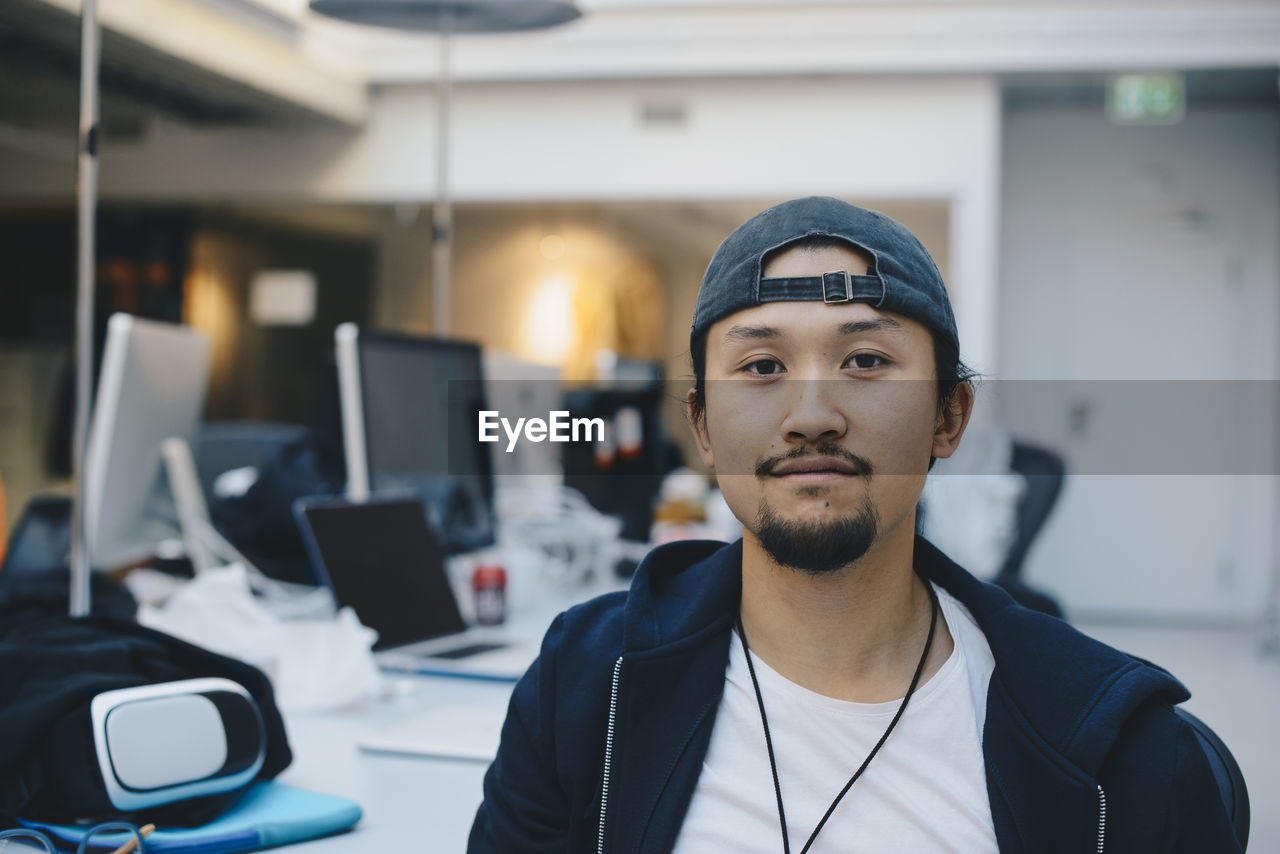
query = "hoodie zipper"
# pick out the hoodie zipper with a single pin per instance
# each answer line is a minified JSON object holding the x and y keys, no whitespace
{"x":608,"y":752}
{"x":1102,"y":816}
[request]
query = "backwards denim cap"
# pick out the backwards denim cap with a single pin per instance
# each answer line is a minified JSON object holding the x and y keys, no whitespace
{"x":901,"y":278}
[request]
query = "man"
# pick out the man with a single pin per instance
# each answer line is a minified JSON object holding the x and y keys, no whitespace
{"x":832,"y":683}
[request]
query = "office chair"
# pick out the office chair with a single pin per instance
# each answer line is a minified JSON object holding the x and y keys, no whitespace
{"x":1235,"y":795}
{"x":291,"y":463}
{"x":226,"y":445}
{"x":1044,"y":471}
{"x":42,"y":538}
{"x":35,"y":574}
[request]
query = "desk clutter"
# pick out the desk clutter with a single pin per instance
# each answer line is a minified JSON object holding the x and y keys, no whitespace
{"x":317,"y":660}
{"x":290,"y":567}
{"x":106,"y":720}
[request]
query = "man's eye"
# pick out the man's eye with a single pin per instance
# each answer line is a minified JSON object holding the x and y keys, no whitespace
{"x":763,"y":367}
{"x":867,"y":360}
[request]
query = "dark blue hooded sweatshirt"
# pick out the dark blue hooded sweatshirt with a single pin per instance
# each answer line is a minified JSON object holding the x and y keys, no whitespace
{"x":607,"y":732}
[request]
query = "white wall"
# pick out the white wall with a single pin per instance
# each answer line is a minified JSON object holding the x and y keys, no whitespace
{"x":887,"y":138}
{"x":1148,"y":253}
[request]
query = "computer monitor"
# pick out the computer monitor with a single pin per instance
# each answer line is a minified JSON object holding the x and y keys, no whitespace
{"x":151,"y":388}
{"x":623,"y":475}
{"x":520,"y":389}
{"x":409,"y":413}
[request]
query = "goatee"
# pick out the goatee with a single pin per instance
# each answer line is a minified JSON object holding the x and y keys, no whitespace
{"x":817,"y":547}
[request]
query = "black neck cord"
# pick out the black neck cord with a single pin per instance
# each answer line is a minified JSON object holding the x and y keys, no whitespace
{"x":768,"y":739}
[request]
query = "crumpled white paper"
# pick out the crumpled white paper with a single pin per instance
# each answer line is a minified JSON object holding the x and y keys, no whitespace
{"x":313,"y":664}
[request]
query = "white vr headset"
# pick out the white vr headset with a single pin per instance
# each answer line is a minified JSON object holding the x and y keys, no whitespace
{"x":157,"y":744}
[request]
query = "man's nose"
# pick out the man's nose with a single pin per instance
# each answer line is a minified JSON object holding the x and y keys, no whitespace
{"x":813,"y":412}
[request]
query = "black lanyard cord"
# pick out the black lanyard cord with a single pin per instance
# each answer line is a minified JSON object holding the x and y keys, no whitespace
{"x":768,"y":738}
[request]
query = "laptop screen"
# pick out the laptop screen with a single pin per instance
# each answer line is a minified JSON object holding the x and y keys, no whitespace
{"x":381,"y":559}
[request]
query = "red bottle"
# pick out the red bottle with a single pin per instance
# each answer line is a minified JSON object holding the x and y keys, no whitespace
{"x":489,"y":588}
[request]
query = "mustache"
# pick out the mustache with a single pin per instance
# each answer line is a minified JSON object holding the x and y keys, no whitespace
{"x":861,"y":465}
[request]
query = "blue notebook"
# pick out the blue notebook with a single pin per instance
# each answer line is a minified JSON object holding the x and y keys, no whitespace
{"x":268,"y":814}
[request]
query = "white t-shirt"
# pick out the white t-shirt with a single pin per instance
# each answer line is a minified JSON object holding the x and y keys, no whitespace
{"x":925,"y":791}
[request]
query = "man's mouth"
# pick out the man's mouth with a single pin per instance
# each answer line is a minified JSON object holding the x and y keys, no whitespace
{"x":814,"y":468}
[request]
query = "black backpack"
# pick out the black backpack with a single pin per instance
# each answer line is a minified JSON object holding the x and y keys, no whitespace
{"x":51,"y":669}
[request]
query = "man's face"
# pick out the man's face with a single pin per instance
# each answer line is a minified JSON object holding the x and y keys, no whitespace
{"x":821,"y":419}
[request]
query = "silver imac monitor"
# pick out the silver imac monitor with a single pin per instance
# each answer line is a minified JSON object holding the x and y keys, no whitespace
{"x":151,"y":388}
{"x":409,"y":411}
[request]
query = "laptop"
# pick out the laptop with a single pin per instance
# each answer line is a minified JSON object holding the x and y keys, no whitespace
{"x":381,"y":559}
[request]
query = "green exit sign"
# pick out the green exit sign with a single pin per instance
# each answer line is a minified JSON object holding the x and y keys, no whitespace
{"x":1158,"y":99}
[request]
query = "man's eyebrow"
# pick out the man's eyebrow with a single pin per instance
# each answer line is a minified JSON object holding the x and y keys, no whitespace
{"x":880,"y":323}
{"x":853,"y":327}
{"x":750,"y":333}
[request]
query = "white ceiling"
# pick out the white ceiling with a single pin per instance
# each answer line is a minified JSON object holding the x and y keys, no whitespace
{"x":682,"y":38}
{"x":207,"y":62}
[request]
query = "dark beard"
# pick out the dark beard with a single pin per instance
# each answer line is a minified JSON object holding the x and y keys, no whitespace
{"x":817,"y":547}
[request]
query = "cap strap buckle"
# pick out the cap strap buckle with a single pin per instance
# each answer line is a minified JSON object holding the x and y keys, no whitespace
{"x":837,"y":287}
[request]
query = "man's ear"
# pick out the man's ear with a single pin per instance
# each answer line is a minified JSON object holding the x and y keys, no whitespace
{"x":698,"y":426}
{"x":952,"y":419}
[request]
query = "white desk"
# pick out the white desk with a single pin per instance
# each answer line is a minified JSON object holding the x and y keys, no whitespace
{"x":410,"y":803}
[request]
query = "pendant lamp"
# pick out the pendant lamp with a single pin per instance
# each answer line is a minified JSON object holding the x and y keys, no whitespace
{"x":447,"y":17}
